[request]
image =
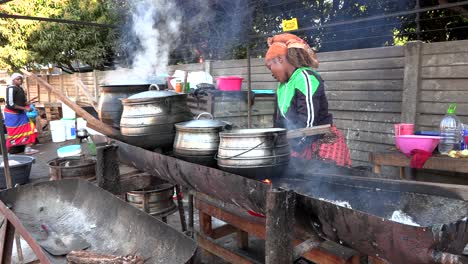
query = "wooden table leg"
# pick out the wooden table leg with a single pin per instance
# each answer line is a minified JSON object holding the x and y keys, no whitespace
{"x":377,"y":169}
{"x":242,"y":239}
{"x":402,"y":173}
{"x":205,"y":224}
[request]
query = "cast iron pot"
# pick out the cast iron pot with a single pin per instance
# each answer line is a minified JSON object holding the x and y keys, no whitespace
{"x":148,"y":118}
{"x":254,"y":153}
{"x":197,"y":140}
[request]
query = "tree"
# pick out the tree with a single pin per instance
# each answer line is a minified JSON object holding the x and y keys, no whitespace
{"x":27,"y":43}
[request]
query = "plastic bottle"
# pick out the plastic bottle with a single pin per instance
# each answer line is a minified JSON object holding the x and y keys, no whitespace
{"x":450,"y":131}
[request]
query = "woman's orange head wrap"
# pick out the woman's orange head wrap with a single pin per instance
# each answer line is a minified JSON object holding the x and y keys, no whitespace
{"x":279,"y":45}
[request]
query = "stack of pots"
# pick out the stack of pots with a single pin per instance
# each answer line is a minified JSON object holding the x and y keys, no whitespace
{"x":254,"y":153}
{"x":148,"y":118}
{"x":197,"y":140}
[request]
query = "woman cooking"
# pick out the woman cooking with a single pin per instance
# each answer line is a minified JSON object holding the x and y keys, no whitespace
{"x":301,"y":100}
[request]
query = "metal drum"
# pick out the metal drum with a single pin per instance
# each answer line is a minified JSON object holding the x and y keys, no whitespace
{"x":155,"y":201}
{"x":109,"y":107}
{"x":61,"y":168}
{"x":148,"y":118}
{"x":254,"y":153}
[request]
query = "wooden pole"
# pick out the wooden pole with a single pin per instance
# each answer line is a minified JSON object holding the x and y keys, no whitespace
{"x":83,"y":88}
{"x":280,"y":207}
{"x":92,"y":122}
{"x":249,"y":89}
{"x":9,"y":181}
{"x":107,"y":168}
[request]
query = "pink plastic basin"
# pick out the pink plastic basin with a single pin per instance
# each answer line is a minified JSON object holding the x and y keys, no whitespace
{"x":229,"y":83}
{"x":406,"y":143}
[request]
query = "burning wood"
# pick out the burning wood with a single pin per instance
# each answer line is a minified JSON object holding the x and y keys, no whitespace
{"x":267,"y":181}
{"x":87,"y":257}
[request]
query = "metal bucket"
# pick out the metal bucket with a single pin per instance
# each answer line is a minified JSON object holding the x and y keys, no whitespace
{"x":109,"y":107}
{"x":155,"y":201}
{"x":148,"y":118}
{"x":254,"y":153}
{"x":61,"y":168}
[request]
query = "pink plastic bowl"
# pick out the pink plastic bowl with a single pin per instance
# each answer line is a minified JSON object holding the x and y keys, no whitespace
{"x":406,"y":143}
{"x":229,"y":83}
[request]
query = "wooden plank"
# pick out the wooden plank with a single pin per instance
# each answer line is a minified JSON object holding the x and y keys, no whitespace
{"x":362,"y":64}
{"x":236,"y":63}
{"x":365,"y":85}
{"x":367,"y":116}
{"x":95,"y":124}
{"x":372,"y":53}
{"x":226,"y":254}
{"x":438,"y":108}
{"x":444,"y":85}
{"x":445,"y":47}
{"x":435,"y":162}
{"x":239,"y":71}
{"x":280,"y":205}
{"x":358,"y":155}
{"x":378,"y":96}
{"x":391,"y":107}
{"x":433,"y":121}
{"x":412,"y":82}
{"x":368,"y":146}
{"x":308,"y":131}
{"x":450,"y":59}
{"x":370,"y":64}
{"x":365,"y":126}
{"x":387,"y":74}
{"x":444,"y":96}
{"x":364,"y":136}
{"x":445,"y":72}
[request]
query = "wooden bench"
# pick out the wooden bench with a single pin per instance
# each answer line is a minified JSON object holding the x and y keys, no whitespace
{"x":398,"y":159}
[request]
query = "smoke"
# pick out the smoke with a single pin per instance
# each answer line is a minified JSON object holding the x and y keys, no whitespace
{"x":156,"y":24}
{"x":159,"y":30}
{"x":150,"y":36}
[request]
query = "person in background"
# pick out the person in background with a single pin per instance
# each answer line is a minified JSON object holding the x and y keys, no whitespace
{"x":301,"y":100}
{"x":20,"y":129}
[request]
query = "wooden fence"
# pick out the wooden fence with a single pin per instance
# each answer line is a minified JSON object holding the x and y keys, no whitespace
{"x":368,"y":90}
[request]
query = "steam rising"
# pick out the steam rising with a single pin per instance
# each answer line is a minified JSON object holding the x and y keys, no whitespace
{"x":155,"y":25}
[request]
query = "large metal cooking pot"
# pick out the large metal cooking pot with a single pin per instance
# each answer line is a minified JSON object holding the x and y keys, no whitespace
{"x":197,"y":140}
{"x":148,"y":118}
{"x":109,"y":107}
{"x":254,"y":153}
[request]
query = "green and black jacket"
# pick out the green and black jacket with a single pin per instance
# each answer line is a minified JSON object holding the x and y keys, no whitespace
{"x":301,"y":102}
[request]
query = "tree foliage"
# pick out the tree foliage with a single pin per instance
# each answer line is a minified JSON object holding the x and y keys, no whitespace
{"x":27,"y":43}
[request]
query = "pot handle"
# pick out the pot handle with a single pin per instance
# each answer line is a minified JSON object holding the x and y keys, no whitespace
{"x":205,"y":113}
{"x":153,"y":87}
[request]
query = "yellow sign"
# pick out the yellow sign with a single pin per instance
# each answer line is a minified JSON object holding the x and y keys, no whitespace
{"x":290,"y":24}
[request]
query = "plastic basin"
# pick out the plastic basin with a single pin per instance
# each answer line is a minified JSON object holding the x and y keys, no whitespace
{"x":19,"y":172}
{"x":229,"y":83}
{"x":407,"y":143}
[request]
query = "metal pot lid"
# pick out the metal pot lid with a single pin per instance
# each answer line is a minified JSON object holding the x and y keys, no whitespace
{"x":152,"y":94}
{"x":204,"y":123}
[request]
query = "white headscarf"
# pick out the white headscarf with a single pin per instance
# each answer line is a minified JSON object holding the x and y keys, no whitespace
{"x":14,"y":76}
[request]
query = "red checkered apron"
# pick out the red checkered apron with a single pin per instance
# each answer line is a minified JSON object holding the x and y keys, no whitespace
{"x":331,"y":147}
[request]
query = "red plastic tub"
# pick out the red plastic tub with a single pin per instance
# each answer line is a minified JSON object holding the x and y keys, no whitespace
{"x":229,"y":83}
